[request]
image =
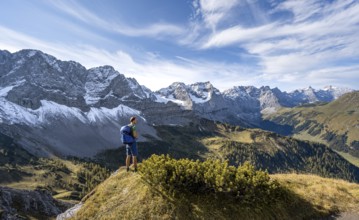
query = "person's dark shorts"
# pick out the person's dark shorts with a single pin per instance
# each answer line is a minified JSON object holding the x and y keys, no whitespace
{"x":131,"y":149}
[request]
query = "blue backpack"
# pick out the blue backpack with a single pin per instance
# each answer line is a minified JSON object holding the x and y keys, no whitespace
{"x":126,"y":137}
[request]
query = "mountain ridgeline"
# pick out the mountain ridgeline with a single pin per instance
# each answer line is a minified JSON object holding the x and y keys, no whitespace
{"x":265,"y":150}
{"x":335,"y":124}
{"x":74,"y":108}
{"x":52,"y":107}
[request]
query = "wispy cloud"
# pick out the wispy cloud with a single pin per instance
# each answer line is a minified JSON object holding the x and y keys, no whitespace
{"x":319,"y":36}
{"x":312,"y":8}
{"x":313,"y":41}
{"x":235,"y":35}
{"x":213,"y":11}
{"x":149,"y":71}
{"x":157,"y":30}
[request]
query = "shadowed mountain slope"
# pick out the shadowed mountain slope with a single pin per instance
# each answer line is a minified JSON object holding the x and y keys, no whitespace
{"x":335,"y":124}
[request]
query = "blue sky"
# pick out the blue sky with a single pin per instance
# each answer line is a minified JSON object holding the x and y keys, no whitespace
{"x":286,"y":44}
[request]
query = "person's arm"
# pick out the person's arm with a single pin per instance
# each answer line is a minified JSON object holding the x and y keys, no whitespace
{"x":134,"y":132}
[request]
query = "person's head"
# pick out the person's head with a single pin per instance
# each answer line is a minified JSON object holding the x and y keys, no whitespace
{"x":133,"y":120}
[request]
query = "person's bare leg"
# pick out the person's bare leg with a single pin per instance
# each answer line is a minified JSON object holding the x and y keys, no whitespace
{"x":128,"y":160}
{"x":135,"y":162}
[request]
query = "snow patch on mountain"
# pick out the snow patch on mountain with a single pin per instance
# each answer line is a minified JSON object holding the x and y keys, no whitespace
{"x":4,"y":91}
{"x":12,"y":113}
{"x":204,"y":98}
{"x":132,"y":83}
{"x":52,"y":61}
{"x":31,"y":53}
{"x":336,"y":91}
{"x":99,"y":114}
{"x":185,"y":95}
{"x":89,"y":99}
{"x":50,"y":109}
{"x":234,"y":93}
{"x":164,"y":99}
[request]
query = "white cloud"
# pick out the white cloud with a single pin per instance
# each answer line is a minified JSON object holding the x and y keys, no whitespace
{"x":153,"y":72}
{"x":290,"y":53}
{"x":332,"y":74}
{"x":302,"y":10}
{"x":236,"y":35}
{"x":157,"y":30}
{"x":154,"y":30}
{"x":320,"y":36}
{"x":214,"y":11}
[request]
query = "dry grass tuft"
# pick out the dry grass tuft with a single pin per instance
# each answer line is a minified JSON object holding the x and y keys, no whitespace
{"x":128,"y":196}
{"x":325,"y":194}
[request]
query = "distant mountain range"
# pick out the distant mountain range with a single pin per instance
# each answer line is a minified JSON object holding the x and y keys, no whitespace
{"x":241,"y":104}
{"x":60,"y":107}
{"x":335,"y":124}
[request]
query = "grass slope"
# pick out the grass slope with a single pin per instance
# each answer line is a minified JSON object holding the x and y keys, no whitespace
{"x":325,"y":194}
{"x":265,"y":150}
{"x":66,"y":179}
{"x":335,"y":124}
{"x":350,"y":158}
{"x":127,"y":195}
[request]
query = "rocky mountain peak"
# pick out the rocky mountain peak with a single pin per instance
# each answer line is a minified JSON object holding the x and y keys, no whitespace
{"x":241,"y":91}
{"x":102,"y":73}
{"x":39,"y":76}
{"x":177,"y":85}
{"x":336,"y":92}
{"x":203,"y":87}
{"x":3,"y":55}
{"x":205,"y":94}
{"x":36,"y":88}
{"x":265,"y":88}
{"x":198,"y":92}
{"x":176,"y":90}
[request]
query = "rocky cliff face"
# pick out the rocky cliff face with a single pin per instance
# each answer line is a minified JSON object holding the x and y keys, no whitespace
{"x":59,"y":107}
{"x":55,"y":107}
{"x":241,"y":105}
{"x":22,"y":204}
{"x":36,"y":76}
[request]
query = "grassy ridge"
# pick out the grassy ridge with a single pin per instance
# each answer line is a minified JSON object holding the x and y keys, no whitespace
{"x":325,"y":194}
{"x":128,"y":195}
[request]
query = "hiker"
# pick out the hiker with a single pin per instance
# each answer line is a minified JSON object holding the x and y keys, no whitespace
{"x":131,"y":148}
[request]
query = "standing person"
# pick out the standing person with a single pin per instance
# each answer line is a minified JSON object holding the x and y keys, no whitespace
{"x":131,"y":149}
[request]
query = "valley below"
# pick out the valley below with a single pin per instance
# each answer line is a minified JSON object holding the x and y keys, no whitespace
{"x":60,"y":146}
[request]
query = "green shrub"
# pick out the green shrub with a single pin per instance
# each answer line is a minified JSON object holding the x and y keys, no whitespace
{"x":90,"y":176}
{"x":242,"y":183}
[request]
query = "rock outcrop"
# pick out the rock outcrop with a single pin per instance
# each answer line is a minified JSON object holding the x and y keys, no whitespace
{"x":20,"y":204}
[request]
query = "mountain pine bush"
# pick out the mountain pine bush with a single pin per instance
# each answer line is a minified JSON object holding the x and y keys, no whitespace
{"x":242,"y":183}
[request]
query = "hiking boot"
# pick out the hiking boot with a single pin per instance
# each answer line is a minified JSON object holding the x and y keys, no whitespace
{"x":128,"y":169}
{"x":135,"y":169}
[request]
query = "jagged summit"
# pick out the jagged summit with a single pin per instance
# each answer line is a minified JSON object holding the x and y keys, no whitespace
{"x":65,"y":103}
{"x":38,"y":89}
